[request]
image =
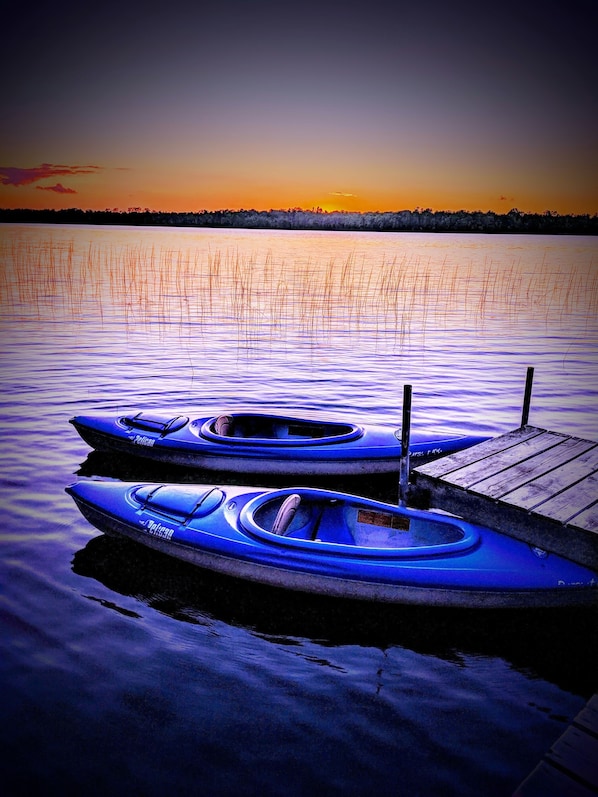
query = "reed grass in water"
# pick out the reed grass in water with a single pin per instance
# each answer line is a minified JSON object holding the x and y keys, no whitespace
{"x":263,"y":297}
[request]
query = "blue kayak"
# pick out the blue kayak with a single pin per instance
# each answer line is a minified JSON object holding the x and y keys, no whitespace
{"x":330,"y":543}
{"x":261,"y":443}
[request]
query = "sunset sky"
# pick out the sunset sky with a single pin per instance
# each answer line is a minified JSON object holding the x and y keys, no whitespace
{"x":187,"y":106}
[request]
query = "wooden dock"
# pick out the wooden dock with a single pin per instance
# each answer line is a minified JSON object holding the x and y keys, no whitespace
{"x":541,"y":487}
{"x":536,"y":485}
{"x":570,"y":767}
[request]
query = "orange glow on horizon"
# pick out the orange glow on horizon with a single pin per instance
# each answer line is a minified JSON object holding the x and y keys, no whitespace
{"x":118,"y":192}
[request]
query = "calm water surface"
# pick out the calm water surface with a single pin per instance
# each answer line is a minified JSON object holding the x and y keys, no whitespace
{"x":125,"y":673}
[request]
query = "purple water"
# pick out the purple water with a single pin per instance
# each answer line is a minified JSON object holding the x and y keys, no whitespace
{"x":127,"y":673}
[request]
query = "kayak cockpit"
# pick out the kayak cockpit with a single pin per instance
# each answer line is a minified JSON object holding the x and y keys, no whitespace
{"x":256,"y":429}
{"x":353,"y":526}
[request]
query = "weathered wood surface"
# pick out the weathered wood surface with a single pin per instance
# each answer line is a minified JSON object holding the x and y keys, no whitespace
{"x":534,"y":484}
{"x":544,"y":487}
{"x":571,"y":765}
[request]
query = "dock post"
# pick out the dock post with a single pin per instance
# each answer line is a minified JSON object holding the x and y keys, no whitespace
{"x":405,"y":435}
{"x":527,"y":397}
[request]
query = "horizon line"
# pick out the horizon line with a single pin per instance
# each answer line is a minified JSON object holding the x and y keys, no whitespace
{"x":314,"y":210}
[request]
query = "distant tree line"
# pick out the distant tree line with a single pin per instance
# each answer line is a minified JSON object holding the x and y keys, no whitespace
{"x":418,"y":220}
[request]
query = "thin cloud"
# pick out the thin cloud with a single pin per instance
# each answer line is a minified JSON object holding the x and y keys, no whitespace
{"x":15,"y":176}
{"x":58,"y":188}
{"x":340,"y":193}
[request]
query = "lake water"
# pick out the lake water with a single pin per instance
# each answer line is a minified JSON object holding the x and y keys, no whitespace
{"x":127,"y":673}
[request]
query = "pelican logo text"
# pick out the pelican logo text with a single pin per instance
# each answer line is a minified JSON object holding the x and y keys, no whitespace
{"x":157,"y":529}
{"x":142,"y":440}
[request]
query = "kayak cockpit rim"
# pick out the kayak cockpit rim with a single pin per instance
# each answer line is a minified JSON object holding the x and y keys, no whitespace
{"x":274,"y":430}
{"x":356,"y":527}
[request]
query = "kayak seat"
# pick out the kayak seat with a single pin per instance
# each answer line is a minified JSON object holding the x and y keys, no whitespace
{"x":224,"y":425}
{"x":286,"y":513}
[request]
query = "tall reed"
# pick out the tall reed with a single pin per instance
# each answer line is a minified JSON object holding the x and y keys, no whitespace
{"x":262,"y":297}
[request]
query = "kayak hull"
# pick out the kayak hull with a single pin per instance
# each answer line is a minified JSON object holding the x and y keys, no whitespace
{"x":191,"y":442}
{"x":467,"y":566}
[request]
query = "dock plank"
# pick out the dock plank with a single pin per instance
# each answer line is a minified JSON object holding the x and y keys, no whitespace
{"x":570,"y":502}
{"x":532,"y":494}
{"x":469,"y":475}
{"x":539,"y":465}
{"x":569,"y":767}
{"x":588,"y":717}
{"x":575,"y":751}
{"x":440,"y":467}
{"x":546,"y":781}
{"x":587,"y":520}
